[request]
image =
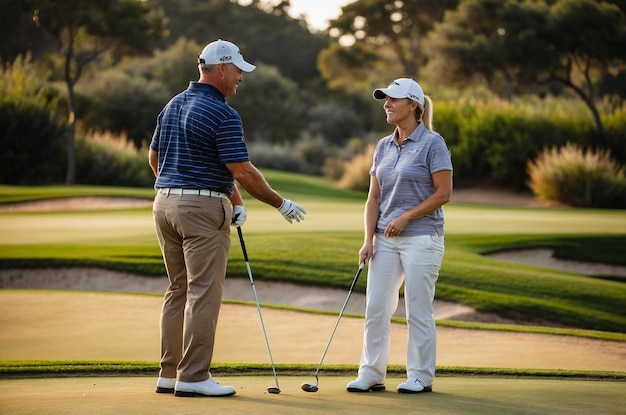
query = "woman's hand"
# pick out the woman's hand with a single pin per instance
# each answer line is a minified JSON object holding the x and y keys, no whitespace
{"x":395,"y":227}
{"x":366,"y":252}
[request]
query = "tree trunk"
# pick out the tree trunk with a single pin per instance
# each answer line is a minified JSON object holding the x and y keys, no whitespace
{"x":589,"y":101}
{"x":70,"y":173}
{"x":596,"y":119}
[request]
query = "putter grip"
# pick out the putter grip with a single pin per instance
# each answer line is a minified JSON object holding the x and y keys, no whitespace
{"x":243,"y":244}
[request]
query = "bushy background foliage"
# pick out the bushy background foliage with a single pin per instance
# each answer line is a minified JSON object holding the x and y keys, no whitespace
{"x":105,"y":159}
{"x":579,"y":178}
{"x":308,"y":107}
{"x":31,"y":136}
{"x":33,"y":143}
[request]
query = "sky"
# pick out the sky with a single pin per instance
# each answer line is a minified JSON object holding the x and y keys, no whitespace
{"x":317,"y":13}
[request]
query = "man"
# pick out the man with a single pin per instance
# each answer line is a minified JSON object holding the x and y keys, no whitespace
{"x":197,"y":152}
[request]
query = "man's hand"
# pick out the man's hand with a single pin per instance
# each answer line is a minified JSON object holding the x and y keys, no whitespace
{"x":291,"y":210}
{"x":239,"y":215}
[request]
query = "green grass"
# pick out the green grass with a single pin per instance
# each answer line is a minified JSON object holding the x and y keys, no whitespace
{"x":15,"y":194}
{"x":306,"y":186}
{"x":588,"y":334}
{"x":47,"y":368}
{"x":323,"y":250}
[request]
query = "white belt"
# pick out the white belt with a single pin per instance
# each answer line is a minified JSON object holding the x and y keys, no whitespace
{"x":198,"y":192}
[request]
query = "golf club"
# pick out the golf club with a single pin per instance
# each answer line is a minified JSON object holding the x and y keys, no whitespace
{"x":309,"y":387}
{"x":270,"y":389}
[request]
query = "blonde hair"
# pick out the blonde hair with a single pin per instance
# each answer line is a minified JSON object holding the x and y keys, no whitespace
{"x":425,"y":113}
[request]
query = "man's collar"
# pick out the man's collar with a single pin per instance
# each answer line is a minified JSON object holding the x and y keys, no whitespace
{"x":208,"y":88}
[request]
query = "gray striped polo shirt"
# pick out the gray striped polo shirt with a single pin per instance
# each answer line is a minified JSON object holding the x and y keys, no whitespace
{"x":404,"y":174}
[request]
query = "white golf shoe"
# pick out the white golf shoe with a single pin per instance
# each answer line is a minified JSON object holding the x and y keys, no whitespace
{"x":165,"y":385}
{"x":207,"y":387}
{"x":363,"y":384}
{"x":414,"y":386}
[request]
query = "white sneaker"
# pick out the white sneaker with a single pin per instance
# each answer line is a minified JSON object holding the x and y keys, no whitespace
{"x":414,"y":386}
{"x":207,"y":387}
{"x":165,"y":385}
{"x":363,"y":384}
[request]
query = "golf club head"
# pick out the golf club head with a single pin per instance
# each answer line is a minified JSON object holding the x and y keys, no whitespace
{"x":307,"y":387}
{"x":273,"y":389}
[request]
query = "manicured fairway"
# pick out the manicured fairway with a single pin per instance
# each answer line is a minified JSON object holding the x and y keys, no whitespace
{"x":136,"y":226}
{"x":452,"y":395}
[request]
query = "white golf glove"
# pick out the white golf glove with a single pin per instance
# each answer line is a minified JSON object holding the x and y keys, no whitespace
{"x":239,"y":215}
{"x":291,"y":210}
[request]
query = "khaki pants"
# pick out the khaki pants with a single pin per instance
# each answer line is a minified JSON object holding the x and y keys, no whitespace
{"x":194,"y":235}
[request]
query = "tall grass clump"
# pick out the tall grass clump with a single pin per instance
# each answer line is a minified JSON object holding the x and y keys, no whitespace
{"x":578,"y":178}
{"x":111,"y":160}
{"x":356,"y":171}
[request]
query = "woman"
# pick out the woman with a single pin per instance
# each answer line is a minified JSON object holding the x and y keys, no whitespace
{"x":410,"y":180}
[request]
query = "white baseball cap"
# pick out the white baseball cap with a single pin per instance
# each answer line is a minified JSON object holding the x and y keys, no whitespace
{"x":402,"y":88}
{"x":222,"y":51}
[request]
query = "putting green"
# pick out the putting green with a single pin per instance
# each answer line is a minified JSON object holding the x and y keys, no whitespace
{"x":75,"y":325}
{"x":451,"y":395}
{"x":70,"y":325}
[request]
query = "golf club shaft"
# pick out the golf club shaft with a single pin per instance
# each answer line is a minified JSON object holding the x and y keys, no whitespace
{"x":345,"y":303}
{"x":256,"y":299}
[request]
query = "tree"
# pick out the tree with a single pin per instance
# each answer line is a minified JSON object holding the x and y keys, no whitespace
{"x":273,"y":108}
{"x":139,"y":86}
{"x":400,"y":26}
{"x":84,"y":30}
{"x":264,"y":34}
{"x":575,"y":43}
{"x":590,"y":52}
{"x":489,"y":38}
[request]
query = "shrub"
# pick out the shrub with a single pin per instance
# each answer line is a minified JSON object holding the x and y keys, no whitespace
{"x":615,"y":139}
{"x":117,"y":102}
{"x":272,"y":156}
{"x":338,"y":157}
{"x":273,"y":108}
{"x":173,"y":67}
{"x":310,"y":154}
{"x":109,"y":160}
{"x":492,"y":140}
{"x":578,"y":178}
{"x":334,"y":121}
{"x":33,"y":144}
{"x":32,"y":137}
{"x":305,"y":155}
{"x":356,"y":171}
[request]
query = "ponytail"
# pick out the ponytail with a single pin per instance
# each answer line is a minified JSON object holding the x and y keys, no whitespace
{"x":427,"y":115}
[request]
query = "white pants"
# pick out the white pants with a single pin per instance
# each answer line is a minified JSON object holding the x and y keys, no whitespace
{"x":416,"y":261}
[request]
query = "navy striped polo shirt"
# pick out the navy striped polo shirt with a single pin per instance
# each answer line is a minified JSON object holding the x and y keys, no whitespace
{"x":196,"y":134}
{"x":404,"y":174}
